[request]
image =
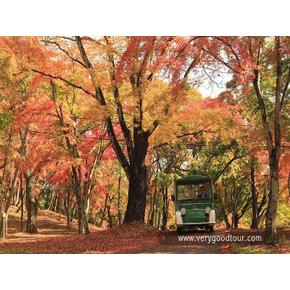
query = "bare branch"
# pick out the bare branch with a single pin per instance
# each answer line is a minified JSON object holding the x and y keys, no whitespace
{"x":220,"y":60}
{"x":64,"y":51}
{"x":65,"y":81}
{"x":217,"y":176}
{"x":230,"y":47}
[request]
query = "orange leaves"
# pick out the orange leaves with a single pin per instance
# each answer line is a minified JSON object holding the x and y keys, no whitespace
{"x":27,"y":50}
{"x":36,"y":114}
{"x":193,"y":114}
{"x":39,"y":152}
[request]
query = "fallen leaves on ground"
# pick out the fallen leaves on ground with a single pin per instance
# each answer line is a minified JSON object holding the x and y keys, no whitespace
{"x":123,"y":239}
{"x":54,"y":237}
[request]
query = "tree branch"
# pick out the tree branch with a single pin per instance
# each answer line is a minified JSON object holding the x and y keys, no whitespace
{"x":84,"y":56}
{"x":64,"y":51}
{"x":263,"y":112}
{"x":217,"y":176}
{"x":116,"y":145}
{"x":65,"y":81}
{"x":120,"y":113}
{"x":285,"y":88}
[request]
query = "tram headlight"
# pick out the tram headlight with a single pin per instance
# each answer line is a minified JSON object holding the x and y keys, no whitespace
{"x":183,"y":211}
{"x":207,"y":210}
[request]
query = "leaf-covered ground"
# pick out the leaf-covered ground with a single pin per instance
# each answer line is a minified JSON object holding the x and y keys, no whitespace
{"x":53,"y":237}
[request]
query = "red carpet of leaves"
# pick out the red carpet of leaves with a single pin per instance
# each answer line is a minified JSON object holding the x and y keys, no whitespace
{"x":54,"y":238}
{"x":123,"y":239}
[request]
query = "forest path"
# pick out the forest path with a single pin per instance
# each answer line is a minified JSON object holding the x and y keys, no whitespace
{"x":171,"y":243}
{"x":54,"y":237}
{"x":220,"y":241}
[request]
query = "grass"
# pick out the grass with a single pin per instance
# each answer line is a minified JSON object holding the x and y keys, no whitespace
{"x":280,"y":248}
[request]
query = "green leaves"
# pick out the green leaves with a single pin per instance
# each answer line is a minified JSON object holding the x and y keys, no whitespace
{"x":5,"y":119}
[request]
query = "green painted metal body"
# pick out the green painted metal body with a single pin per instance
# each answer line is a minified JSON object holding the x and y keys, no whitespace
{"x":195,"y":208}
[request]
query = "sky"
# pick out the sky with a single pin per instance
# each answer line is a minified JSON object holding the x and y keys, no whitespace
{"x":210,"y":89}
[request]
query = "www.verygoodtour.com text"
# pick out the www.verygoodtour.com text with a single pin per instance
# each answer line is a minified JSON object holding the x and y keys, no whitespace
{"x":212,"y":239}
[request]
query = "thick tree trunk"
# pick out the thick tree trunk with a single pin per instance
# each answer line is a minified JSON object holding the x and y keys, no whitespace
{"x":31,"y":208}
{"x":82,"y":218}
{"x":137,"y":196}
{"x":271,"y":231}
{"x":69,"y":209}
{"x":82,"y":202}
{"x":31,"y":225}
{"x":255,"y":218}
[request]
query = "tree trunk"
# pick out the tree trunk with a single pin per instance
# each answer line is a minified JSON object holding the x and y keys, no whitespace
{"x":274,"y":150}
{"x":103,"y":211}
{"x":159,"y":216}
{"x":69,"y":218}
{"x":82,"y":217}
{"x":31,"y":208}
{"x":82,"y":202}
{"x":21,"y":202}
{"x":119,"y":201}
{"x":153,"y":206}
{"x":235,"y":220}
{"x":69,"y":209}
{"x":223,"y":211}
{"x":288,"y":183}
{"x":165,"y":207}
{"x":52,"y":202}
{"x":110,"y":216}
{"x":3,"y":225}
{"x":31,"y":224}
{"x":255,"y":219}
{"x":271,"y":231}
{"x":137,"y":196}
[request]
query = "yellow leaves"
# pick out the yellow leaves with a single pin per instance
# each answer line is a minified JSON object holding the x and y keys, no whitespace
{"x":193,"y":94}
{"x":78,"y":161}
{"x":8,"y":68}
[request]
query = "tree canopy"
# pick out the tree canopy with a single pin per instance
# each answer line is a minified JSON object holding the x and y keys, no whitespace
{"x":98,"y":128}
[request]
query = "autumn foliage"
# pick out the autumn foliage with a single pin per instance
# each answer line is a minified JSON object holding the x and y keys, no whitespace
{"x":97,"y":129}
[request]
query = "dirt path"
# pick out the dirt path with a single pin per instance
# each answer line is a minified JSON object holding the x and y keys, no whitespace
{"x":184,"y":249}
{"x":170,"y":244}
{"x":54,"y":237}
{"x":212,"y":243}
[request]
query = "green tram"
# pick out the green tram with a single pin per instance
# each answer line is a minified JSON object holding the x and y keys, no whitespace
{"x":194,"y":203}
